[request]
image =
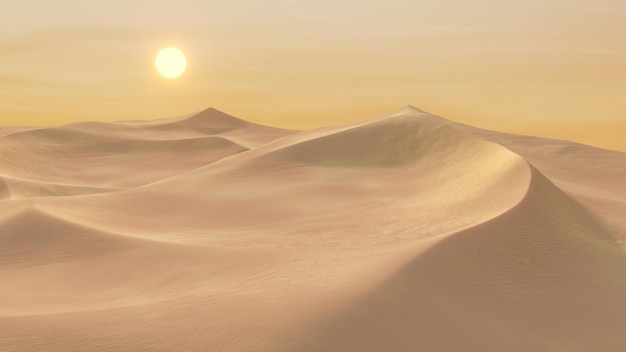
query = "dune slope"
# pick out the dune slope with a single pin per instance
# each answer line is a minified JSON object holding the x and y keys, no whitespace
{"x":400,"y":233}
{"x":543,"y":276}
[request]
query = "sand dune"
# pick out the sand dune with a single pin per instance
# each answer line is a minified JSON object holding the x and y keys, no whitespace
{"x":298,"y":180}
{"x":108,"y":155}
{"x":83,"y":159}
{"x":6,"y":130}
{"x":399,"y":233}
{"x":592,"y":175}
{"x":209,"y":122}
{"x":543,"y":276}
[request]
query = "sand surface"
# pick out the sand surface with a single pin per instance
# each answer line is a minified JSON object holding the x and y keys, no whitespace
{"x":406,"y":232}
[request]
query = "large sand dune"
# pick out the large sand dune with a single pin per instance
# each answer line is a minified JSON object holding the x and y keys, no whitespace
{"x":406,"y":232}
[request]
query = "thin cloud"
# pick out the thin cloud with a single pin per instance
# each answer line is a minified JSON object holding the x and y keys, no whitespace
{"x":13,"y":81}
{"x":61,"y":37}
{"x":606,"y":52}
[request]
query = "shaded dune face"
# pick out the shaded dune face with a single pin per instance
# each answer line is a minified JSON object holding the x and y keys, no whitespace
{"x":529,"y":279}
{"x":575,"y":168}
{"x":406,"y":232}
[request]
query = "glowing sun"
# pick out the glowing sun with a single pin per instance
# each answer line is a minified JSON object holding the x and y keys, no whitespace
{"x":171,"y":62}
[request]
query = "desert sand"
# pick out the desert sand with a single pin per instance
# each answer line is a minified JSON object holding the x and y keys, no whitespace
{"x":406,"y":232}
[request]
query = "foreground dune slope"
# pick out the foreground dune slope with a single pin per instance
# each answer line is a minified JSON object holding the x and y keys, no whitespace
{"x":402,"y":233}
{"x":544,"y":276}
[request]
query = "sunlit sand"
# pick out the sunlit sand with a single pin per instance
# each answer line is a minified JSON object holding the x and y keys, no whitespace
{"x":406,"y":232}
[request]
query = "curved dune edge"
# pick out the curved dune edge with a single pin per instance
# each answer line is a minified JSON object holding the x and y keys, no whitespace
{"x":529,"y":279}
{"x":592,"y":175}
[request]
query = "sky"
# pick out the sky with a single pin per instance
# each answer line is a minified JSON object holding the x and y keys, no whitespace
{"x":554,"y":69}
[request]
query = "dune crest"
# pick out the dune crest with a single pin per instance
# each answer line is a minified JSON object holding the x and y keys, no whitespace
{"x":402,"y":232}
{"x":521,"y":281}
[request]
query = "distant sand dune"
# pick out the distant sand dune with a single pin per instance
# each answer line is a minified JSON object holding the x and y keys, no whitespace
{"x":88,"y":159}
{"x":406,"y":232}
{"x":209,"y":122}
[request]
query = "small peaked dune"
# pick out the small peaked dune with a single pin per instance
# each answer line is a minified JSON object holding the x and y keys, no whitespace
{"x":414,"y":108}
{"x":208,"y":122}
{"x":212,"y":121}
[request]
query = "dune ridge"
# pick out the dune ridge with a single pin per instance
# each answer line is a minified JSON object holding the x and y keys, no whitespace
{"x":399,"y":233}
{"x":535,"y":298}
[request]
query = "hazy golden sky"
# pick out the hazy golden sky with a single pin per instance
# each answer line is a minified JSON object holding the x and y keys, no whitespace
{"x":554,"y":68}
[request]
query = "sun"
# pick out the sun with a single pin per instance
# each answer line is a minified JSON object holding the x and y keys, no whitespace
{"x":171,"y":62}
